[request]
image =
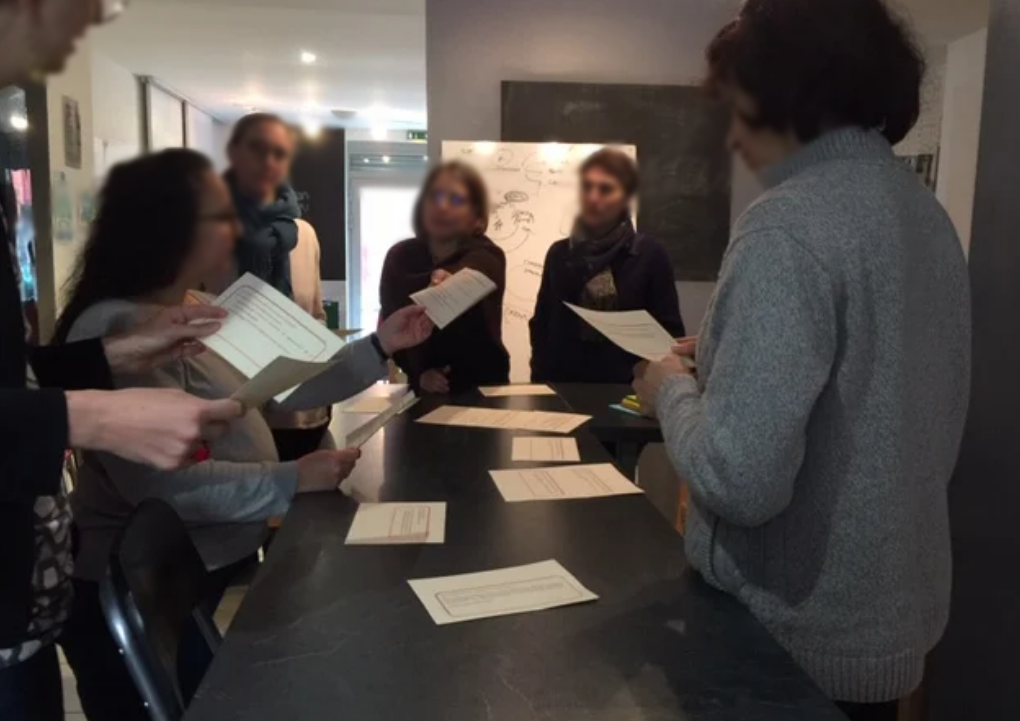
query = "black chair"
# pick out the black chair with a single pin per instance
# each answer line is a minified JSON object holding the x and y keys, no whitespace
{"x":154,"y":600}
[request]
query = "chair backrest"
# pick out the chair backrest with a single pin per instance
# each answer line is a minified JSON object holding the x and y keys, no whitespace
{"x":152,"y":599}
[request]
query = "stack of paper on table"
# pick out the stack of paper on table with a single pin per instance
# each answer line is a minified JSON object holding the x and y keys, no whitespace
{"x":448,"y":301}
{"x":545,"y":449}
{"x":635,"y":331}
{"x":520,"y":390}
{"x":505,"y":419}
{"x":270,"y":340}
{"x":563,"y":483}
{"x":398,"y":523}
{"x":508,"y":591}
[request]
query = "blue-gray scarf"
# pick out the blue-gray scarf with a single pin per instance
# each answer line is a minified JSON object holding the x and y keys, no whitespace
{"x":270,"y":233}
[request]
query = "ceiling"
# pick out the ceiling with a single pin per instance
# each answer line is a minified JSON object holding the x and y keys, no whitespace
{"x":232,"y":56}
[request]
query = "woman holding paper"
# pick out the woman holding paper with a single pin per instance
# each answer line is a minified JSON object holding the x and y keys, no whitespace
{"x":165,"y":222}
{"x":821,"y":432}
{"x":605,"y":265}
{"x":450,"y":220}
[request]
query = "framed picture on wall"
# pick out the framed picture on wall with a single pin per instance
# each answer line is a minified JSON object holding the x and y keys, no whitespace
{"x":925,"y":166}
{"x":72,"y":133}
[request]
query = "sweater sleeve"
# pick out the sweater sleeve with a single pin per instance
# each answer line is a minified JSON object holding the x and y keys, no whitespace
{"x":663,"y":301}
{"x":741,"y":442}
{"x":539,"y":324}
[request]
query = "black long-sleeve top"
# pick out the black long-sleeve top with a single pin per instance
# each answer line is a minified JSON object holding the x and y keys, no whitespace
{"x":472,"y":346}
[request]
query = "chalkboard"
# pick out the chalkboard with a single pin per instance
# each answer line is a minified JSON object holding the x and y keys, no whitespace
{"x":680,"y":135}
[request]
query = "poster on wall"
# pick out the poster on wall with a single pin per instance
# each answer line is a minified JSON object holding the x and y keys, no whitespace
{"x":533,"y":200}
{"x":72,"y":133}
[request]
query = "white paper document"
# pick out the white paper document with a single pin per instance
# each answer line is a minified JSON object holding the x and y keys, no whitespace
{"x":521,"y":390}
{"x":636,"y":331}
{"x":362,"y":435}
{"x":265,"y":325}
{"x":505,"y":419}
{"x":276,"y":379}
{"x":545,"y":449}
{"x":508,"y":591}
{"x":563,"y":483}
{"x":448,"y":301}
{"x":385,"y":524}
{"x":370,"y":405}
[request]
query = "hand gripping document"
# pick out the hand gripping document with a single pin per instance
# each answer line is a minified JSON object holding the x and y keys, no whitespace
{"x":635,"y":331}
{"x":448,"y":301}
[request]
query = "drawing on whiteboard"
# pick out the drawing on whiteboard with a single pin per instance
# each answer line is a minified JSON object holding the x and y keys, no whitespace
{"x":533,"y":190}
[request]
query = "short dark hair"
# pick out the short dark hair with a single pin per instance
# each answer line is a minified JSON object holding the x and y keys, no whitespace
{"x":815,"y":64}
{"x":251,"y":121}
{"x":616,"y":163}
{"x":478,"y":194}
{"x":143,"y":231}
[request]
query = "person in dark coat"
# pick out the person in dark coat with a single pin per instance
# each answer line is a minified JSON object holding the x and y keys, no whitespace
{"x":450,"y":220}
{"x":604,"y":265}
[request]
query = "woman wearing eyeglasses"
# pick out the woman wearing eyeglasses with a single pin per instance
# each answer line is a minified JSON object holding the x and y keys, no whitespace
{"x":450,"y":220}
{"x":604,"y":265}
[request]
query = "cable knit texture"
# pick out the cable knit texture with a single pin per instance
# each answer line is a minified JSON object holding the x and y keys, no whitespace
{"x":821,"y":434}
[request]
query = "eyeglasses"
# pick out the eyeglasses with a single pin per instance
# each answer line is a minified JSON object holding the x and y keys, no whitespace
{"x":109,"y":10}
{"x":602,"y":189}
{"x":454,"y":200}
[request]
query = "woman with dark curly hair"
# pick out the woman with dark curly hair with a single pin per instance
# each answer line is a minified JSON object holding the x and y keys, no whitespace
{"x":821,"y":430}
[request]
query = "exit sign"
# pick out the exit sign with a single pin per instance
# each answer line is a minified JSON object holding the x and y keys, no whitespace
{"x":418,"y":136}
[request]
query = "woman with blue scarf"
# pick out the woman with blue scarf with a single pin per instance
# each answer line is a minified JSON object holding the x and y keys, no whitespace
{"x":277,"y":247}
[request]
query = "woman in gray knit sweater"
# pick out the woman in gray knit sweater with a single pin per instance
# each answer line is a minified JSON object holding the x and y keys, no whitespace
{"x":821,"y":430}
{"x":165,"y":222}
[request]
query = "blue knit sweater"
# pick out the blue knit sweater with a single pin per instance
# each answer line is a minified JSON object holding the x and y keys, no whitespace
{"x":820,"y":437}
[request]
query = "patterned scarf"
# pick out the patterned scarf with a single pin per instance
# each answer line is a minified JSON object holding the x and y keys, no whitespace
{"x":590,"y":263}
{"x":270,"y":233}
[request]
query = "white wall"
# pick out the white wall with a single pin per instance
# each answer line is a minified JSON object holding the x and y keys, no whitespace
{"x":925,"y":138}
{"x":117,"y":114}
{"x":206,"y":134}
{"x":961,"y":129}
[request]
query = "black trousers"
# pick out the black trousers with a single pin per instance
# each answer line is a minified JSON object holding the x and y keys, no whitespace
{"x":870,"y":711}
{"x":32,"y":690}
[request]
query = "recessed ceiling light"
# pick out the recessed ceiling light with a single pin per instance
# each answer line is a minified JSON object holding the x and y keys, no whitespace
{"x":386,"y":158}
{"x":19,"y":122}
{"x":308,"y":58}
{"x":366,"y":160}
{"x":311,"y":126}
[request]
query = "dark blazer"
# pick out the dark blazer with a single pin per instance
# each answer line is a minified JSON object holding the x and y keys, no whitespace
{"x":564,"y":349}
{"x":33,"y":438}
{"x":472,"y":346}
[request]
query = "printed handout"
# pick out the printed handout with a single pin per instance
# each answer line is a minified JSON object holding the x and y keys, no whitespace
{"x":370,"y":405}
{"x":362,"y":435}
{"x":265,"y":325}
{"x":276,"y":379}
{"x":385,"y":524}
{"x":634,"y":331}
{"x":508,"y":591}
{"x":520,"y":390}
{"x":563,"y":483}
{"x":448,"y":301}
{"x":545,"y":449}
{"x":542,"y":421}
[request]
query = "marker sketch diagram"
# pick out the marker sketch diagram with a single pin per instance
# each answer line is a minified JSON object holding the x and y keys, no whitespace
{"x":533,"y":197}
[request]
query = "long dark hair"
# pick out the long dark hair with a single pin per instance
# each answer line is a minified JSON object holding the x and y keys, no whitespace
{"x":148,"y":212}
{"x":478,"y":194}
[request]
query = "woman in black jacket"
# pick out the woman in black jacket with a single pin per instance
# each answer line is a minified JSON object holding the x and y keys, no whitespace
{"x":450,"y":220}
{"x":604,"y":265}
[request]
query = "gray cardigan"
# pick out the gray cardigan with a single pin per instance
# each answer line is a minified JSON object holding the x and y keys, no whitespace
{"x":821,"y":435}
{"x":225,"y":501}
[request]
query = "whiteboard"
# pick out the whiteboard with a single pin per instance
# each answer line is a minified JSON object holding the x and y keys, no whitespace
{"x":533,"y":197}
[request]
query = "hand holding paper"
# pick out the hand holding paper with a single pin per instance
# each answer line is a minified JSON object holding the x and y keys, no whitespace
{"x":635,"y":331}
{"x":456,"y":295}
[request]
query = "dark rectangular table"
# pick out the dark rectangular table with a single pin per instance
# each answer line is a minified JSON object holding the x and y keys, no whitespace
{"x":623,"y":435}
{"x":330,"y":631}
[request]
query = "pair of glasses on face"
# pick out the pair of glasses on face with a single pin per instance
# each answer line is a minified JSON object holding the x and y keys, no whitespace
{"x":600,"y":189}
{"x":110,"y":10}
{"x":454,"y":200}
{"x":264,"y":150}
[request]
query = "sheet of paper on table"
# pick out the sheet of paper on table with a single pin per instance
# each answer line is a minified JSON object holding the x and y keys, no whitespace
{"x":508,"y":591}
{"x":520,"y":390}
{"x":505,"y":419}
{"x":635,"y":331}
{"x":370,"y":404}
{"x":545,"y":449}
{"x":362,"y":435}
{"x":448,"y":301}
{"x":263,"y":326}
{"x":562,"y":483}
{"x":386,"y":524}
